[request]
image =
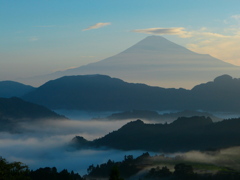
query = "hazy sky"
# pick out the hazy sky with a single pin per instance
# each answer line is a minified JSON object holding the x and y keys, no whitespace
{"x":39,"y":37}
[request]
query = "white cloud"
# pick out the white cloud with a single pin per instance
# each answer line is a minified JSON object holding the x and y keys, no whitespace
{"x":232,"y":21}
{"x":236,"y":17}
{"x":96,"y":26}
{"x":165,"y":31}
{"x":180,"y":31}
{"x":209,"y":34}
{"x":34,"y":38}
{"x":226,"y":49}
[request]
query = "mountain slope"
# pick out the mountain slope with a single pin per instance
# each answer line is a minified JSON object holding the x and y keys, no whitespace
{"x":222,"y":94}
{"x":15,"y":109}
{"x":14,"y":112}
{"x":184,"y":134}
{"x":103,"y":93}
{"x":11,"y":89}
{"x":156,"y":61}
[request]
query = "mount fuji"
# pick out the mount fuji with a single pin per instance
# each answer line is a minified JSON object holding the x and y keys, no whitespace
{"x":155,"y":61}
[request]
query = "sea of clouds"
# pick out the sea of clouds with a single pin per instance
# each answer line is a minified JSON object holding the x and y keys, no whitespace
{"x":46,"y":143}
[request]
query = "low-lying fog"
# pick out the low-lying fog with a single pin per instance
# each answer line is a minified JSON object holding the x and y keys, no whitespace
{"x":45,"y":143}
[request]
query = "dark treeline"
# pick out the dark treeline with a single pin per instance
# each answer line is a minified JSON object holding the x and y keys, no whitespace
{"x":19,"y":171}
{"x":182,"y":170}
{"x":186,"y":172}
{"x":48,"y":173}
{"x":129,"y":167}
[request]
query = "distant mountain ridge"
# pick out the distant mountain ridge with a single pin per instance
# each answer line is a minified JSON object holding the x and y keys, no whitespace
{"x":155,"y":61}
{"x":14,"y":89}
{"x":15,"y":109}
{"x":103,"y":93}
{"x":100,"y":93}
{"x":184,"y":134}
{"x":155,"y":116}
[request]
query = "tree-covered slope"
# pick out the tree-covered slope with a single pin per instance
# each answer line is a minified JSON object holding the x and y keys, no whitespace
{"x":184,"y":134}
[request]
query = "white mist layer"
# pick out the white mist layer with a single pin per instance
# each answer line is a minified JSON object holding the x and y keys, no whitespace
{"x":45,"y":144}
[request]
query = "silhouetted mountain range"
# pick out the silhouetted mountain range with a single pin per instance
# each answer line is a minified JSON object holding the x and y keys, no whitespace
{"x":154,"y":61}
{"x":223,"y":91}
{"x":103,"y":93}
{"x":155,"y":116}
{"x":184,"y":134}
{"x":14,"y":89}
{"x":100,"y":92}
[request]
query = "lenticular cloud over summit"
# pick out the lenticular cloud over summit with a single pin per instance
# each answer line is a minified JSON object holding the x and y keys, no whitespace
{"x":163,"y":31}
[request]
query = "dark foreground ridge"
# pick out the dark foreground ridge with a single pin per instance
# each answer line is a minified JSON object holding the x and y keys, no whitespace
{"x":148,"y":167}
{"x":143,"y":167}
{"x":184,"y":134}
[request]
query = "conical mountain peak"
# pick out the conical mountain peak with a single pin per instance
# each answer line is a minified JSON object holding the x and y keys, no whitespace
{"x":156,"y":44}
{"x":159,"y":62}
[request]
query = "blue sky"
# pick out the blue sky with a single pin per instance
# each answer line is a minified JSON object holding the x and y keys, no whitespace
{"x":40,"y":37}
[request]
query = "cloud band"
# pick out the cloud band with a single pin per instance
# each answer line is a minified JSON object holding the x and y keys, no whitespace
{"x":165,"y":31}
{"x":97,"y":26}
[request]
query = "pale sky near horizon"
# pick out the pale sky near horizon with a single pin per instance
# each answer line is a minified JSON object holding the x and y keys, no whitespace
{"x":41,"y":37}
